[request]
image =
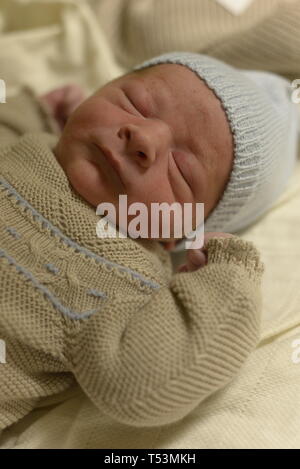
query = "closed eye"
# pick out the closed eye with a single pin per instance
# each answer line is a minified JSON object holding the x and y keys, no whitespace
{"x":180,"y":170}
{"x":133,"y":105}
{"x":128,"y":99}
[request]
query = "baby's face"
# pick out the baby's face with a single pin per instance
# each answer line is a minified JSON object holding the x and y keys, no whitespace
{"x":167,"y":134}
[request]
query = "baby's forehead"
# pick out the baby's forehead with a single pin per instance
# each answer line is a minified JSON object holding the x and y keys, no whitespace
{"x":181,"y":93}
{"x":177,"y":81}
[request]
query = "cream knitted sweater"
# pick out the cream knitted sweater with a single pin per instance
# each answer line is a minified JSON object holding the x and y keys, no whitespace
{"x":146,"y":345}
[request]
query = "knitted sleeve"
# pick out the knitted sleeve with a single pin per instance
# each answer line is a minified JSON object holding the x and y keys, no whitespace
{"x":151,"y":362}
{"x":24,"y":113}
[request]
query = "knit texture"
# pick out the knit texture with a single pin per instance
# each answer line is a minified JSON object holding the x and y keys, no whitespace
{"x":265,"y":37}
{"x":260,"y":118}
{"x":146,"y":346}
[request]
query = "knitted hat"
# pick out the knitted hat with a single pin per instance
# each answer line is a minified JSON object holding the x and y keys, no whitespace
{"x":263,"y":121}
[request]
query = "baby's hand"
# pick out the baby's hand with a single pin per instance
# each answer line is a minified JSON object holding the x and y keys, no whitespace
{"x":196,"y":258}
{"x":61,"y":102}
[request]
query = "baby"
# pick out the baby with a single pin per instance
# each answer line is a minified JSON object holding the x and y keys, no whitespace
{"x":170,"y":139}
{"x":167,"y":134}
{"x":108,"y":314}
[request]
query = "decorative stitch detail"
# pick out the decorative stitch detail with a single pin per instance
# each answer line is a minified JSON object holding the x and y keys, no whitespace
{"x":13,"y":232}
{"x":71,"y":243}
{"x":52,"y":268}
{"x":96,"y":293}
{"x":56,"y":303}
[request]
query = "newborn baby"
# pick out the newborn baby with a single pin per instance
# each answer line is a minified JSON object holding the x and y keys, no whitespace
{"x":167,"y":134}
{"x":169,"y":138}
{"x":145,"y":344}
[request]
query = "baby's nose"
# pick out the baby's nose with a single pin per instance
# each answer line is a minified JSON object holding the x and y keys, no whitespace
{"x":138,"y":144}
{"x":143,"y":143}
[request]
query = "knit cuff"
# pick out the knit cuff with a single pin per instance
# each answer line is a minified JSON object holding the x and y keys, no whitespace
{"x":237,"y":250}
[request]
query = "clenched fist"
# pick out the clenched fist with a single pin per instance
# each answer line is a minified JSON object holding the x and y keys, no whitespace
{"x":196,"y":258}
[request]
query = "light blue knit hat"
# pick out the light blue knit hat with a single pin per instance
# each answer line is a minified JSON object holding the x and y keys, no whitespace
{"x":264,"y":123}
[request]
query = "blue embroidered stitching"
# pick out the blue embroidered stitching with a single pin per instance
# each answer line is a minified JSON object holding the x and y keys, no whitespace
{"x":56,"y":303}
{"x":52,"y":268}
{"x":96,"y":293}
{"x":71,"y":243}
{"x":13,"y":232}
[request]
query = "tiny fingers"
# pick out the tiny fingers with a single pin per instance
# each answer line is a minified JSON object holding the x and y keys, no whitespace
{"x":195,"y":259}
{"x":182,"y":268}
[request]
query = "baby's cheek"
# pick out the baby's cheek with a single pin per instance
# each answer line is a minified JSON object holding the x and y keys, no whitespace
{"x":85,"y":180}
{"x":158,"y":200}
